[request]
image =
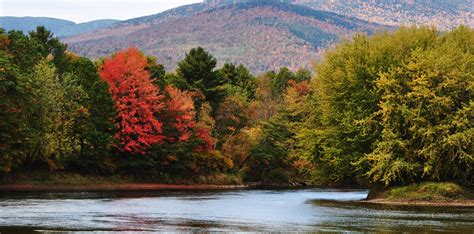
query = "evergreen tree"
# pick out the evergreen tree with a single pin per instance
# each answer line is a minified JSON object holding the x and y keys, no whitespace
{"x":50,"y":45}
{"x":241,"y":80}
{"x":197,"y":69}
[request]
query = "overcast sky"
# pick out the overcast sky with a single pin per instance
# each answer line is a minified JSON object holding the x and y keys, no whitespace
{"x":87,"y":10}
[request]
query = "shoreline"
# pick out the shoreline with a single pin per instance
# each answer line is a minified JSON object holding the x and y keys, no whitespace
{"x":402,"y":203}
{"x":118,"y":187}
{"x":385,"y":204}
{"x":138,"y":186}
{"x":111,"y":187}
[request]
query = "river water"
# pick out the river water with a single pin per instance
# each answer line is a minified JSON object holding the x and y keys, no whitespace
{"x":237,"y":210}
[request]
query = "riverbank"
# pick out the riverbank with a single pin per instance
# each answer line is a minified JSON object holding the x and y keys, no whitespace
{"x":44,"y":181}
{"x":117,"y":187}
{"x":436,"y":194}
{"x":451,"y":203}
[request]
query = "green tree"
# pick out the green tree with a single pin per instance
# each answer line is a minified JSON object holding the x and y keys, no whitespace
{"x":427,"y":115}
{"x":96,"y":130}
{"x":157,"y":72}
{"x":25,"y":52}
{"x":50,"y":45}
{"x":280,"y":79}
{"x":54,"y":110}
{"x":198,"y":70}
{"x":241,"y":80}
{"x":393,"y":107}
{"x":274,"y":159}
{"x":346,"y":99}
{"x":12,"y":136}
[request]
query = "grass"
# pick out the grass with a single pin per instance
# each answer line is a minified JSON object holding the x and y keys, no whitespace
{"x":427,"y":191}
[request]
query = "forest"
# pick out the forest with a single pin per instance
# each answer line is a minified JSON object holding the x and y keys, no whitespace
{"x":393,"y":108}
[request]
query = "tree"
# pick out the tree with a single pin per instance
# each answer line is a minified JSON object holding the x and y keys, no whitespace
{"x":50,"y":45}
{"x":12,"y":135}
{"x":280,"y":79}
{"x":97,"y":130}
{"x":241,"y":80}
{"x":268,"y":161}
{"x":39,"y":113}
{"x":157,"y":72}
{"x":267,"y":103}
{"x":392,"y":108}
{"x":178,"y":116}
{"x":197,"y":69}
{"x":186,"y":140}
{"x":25,"y":52}
{"x":137,"y":100}
{"x":426,"y":113}
{"x":54,"y":111}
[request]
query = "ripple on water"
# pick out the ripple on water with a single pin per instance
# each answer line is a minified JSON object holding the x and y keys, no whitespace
{"x":238,"y":210}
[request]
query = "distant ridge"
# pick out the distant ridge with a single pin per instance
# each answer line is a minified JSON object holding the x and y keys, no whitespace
{"x":59,"y":27}
{"x":228,"y":2}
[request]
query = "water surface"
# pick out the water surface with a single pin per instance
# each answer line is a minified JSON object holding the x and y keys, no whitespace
{"x":242,"y":210}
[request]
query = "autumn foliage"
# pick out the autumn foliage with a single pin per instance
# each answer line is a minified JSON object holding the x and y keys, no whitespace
{"x":179,"y":114}
{"x":137,"y":100}
{"x":146,"y":115}
{"x":398,"y":111}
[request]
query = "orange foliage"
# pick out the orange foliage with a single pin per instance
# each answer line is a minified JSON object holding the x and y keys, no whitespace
{"x":302,"y":88}
{"x":179,"y":114}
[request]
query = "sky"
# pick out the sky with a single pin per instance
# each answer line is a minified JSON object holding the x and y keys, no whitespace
{"x":87,"y":10}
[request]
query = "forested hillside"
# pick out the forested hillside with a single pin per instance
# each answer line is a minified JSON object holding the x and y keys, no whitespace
{"x":389,"y":109}
{"x":443,"y":14}
{"x":262,"y":36}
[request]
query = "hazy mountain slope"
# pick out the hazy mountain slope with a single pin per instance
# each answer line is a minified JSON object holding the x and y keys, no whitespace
{"x":27,"y":24}
{"x":132,"y":25}
{"x":260,"y":35}
{"x":444,"y":14}
{"x":58,"y":26}
{"x":86,"y":27}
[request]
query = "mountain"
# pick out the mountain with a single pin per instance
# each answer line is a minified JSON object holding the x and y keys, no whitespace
{"x":59,"y":27}
{"x":444,"y":14}
{"x":131,"y":25}
{"x":27,"y":24}
{"x":86,"y":27}
{"x":262,"y":35}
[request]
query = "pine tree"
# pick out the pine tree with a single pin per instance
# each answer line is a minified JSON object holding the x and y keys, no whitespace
{"x":197,"y":69}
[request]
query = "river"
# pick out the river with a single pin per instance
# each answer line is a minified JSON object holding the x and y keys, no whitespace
{"x":237,"y":210}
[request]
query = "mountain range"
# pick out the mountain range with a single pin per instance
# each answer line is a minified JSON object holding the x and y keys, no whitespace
{"x":59,"y":27}
{"x":261,"y":34}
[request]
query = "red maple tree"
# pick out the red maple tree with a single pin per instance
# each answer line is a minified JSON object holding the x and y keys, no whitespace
{"x":137,"y":100}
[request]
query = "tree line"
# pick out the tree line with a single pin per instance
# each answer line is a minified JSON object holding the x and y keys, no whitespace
{"x":392,"y":108}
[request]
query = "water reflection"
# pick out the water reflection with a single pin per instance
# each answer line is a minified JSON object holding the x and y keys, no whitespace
{"x":243,"y":210}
